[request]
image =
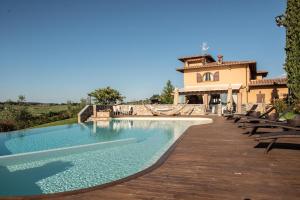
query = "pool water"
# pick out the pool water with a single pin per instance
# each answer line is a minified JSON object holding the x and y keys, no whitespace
{"x":71,"y":157}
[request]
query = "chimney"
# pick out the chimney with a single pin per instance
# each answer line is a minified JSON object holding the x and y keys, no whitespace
{"x":220,"y":59}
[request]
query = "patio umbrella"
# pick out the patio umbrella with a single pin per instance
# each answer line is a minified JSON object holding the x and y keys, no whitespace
{"x":176,"y":96}
{"x":229,"y":98}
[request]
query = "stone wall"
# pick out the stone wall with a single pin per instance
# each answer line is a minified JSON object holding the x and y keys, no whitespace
{"x":188,"y":110}
{"x":141,"y":110}
{"x":85,"y":113}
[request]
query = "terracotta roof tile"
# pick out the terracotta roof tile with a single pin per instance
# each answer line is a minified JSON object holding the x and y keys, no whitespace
{"x":208,"y":56}
{"x":216,"y":64}
{"x":262,"y":82}
{"x":262,"y":72}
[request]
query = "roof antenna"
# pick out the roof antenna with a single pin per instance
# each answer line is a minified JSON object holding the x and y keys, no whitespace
{"x":204,"y":48}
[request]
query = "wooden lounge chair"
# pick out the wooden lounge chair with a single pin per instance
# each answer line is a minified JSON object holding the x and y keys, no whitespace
{"x":253,"y":119}
{"x":277,"y":135}
{"x":236,"y":117}
{"x":283,"y":125}
{"x":263,"y":117}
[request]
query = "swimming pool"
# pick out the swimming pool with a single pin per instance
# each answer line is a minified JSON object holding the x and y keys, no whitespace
{"x":71,"y":157}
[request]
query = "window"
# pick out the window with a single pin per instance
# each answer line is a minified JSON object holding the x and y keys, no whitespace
{"x":199,"y":78}
{"x":208,"y":76}
{"x":260,"y":98}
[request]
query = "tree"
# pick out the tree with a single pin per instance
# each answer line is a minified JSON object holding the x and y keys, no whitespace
{"x":106,"y":96}
{"x":155,"y":98}
{"x":291,"y":21}
{"x":83,"y":102}
{"x":21,"y":99}
{"x":9,"y":102}
{"x":166,"y":96}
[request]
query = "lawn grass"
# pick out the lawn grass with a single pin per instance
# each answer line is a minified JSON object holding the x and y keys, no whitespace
{"x":57,"y":123}
{"x":37,"y":110}
{"x":41,"y":109}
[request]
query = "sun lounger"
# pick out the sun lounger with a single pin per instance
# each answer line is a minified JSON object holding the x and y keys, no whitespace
{"x":277,"y":135}
{"x":262,"y":118}
{"x":253,"y":119}
{"x":238,"y":116}
{"x":283,"y":125}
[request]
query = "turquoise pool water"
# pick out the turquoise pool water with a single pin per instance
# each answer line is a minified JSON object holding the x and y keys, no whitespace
{"x":64,"y":158}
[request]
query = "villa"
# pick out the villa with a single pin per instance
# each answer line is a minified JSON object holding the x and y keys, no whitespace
{"x":208,"y":82}
{"x":210,"y":87}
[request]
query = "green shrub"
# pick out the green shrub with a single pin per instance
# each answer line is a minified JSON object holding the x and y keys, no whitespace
{"x":14,"y":117}
{"x":297,"y":107}
{"x":7,"y":125}
{"x":280,"y":105}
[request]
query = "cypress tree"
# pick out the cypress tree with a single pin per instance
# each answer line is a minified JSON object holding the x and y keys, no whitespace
{"x":291,"y":21}
{"x":167,"y":97}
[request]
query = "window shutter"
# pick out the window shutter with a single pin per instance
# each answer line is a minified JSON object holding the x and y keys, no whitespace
{"x":263,"y":98}
{"x":260,"y":98}
{"x":216,"y":76}
{"x":199,"y":78}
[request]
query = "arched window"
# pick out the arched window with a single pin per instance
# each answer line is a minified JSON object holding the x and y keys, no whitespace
{"x":208,"y":76}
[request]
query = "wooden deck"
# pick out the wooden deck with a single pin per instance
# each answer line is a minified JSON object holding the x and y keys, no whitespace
{"x":215,"y":161}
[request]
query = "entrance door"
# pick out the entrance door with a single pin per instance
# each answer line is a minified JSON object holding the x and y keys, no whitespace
{"x":195,"y":99}
{"x":215,"y":100}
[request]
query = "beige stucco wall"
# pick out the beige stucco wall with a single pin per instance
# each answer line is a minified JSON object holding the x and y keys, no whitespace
{"x":282,"y":91}
{"x":259,"y":77}
{"x":233,"y":74}
{"x":237,"y":74}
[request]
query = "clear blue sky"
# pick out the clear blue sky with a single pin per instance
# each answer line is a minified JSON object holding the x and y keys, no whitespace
{"x":59,"y":50}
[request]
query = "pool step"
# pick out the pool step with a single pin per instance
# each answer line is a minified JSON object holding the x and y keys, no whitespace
{"x":45,"y":154}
